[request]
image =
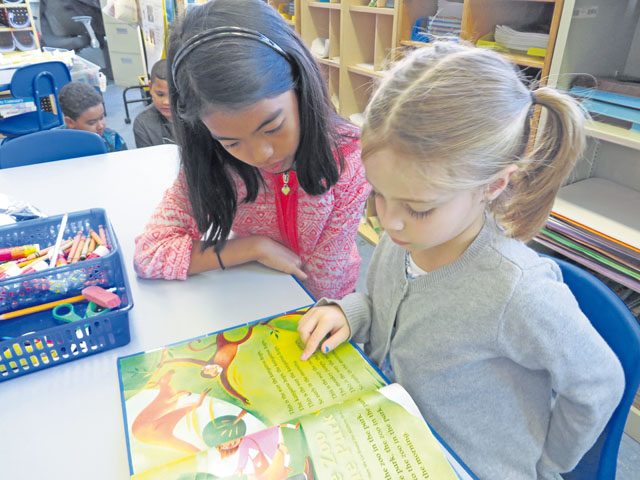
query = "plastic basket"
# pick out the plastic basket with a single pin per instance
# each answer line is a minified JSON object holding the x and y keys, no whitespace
{"x":85,"y":71}
{"x":36,"y":341}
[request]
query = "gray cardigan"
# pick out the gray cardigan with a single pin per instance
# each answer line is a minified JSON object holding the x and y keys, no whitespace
{"x":496,"y":353}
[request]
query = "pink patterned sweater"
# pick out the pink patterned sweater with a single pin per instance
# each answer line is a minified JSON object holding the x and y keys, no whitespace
{"x":327,"y":228}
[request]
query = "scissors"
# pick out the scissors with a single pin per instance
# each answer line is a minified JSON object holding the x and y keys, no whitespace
{"x":66,"y":312}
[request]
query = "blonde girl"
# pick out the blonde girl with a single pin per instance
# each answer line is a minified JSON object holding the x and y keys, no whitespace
{"x":480,"y":330}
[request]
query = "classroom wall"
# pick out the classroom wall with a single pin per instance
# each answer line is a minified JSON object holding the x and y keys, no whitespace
{"x":601,"y":45}
{"x":633,"y":62}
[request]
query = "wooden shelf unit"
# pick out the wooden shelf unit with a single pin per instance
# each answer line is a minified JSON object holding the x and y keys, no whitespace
{"x":360,"y":35}
{"x":295,"y":23}
{"x":374,"y":10}
{"x":603,"y":45}
{"x":361,"y":39}
{"x":30,"y":28}
{"x":613,"y":134}
{"x":327,"y":5}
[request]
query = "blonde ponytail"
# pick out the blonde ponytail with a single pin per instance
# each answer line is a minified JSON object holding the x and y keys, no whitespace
{"x":527,"y":204}
{"x":463,"y":115}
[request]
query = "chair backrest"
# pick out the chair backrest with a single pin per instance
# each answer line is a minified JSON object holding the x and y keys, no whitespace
{"x":41,"y":82}
{"x":49,"y":146}
{"x":619,"y":328}
{"x":60,"y":30}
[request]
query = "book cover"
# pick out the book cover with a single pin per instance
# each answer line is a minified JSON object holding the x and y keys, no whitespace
{"x":240,"y":404}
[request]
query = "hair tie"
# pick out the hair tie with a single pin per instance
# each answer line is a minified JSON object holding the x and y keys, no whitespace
{"x":216,"y":248}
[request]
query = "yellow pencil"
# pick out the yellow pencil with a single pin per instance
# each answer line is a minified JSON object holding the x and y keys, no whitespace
{"x":40,"y":308}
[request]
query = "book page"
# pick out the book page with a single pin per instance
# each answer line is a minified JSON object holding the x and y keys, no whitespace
{"x":192,"y":396}
{"x":373,"y":436}
{"x":376,"y":435}
{"x":278,"y":452}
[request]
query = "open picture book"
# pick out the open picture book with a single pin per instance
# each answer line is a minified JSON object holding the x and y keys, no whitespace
{"x":240,"y":404}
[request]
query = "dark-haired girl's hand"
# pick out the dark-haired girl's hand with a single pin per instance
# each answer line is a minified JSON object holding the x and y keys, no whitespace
{"x":275,"y":255}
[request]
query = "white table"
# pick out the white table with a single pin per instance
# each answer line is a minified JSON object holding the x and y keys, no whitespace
{"x":66,"y":422}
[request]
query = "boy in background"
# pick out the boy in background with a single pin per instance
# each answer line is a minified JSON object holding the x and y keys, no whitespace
{"x":83,"y":109}
{"x":153,"y":125}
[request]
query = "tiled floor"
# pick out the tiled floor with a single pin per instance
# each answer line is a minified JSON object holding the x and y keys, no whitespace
{"x":629,"y":456}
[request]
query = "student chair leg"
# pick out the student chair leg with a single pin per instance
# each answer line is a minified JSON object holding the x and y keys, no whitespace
{"x":144,"y":97}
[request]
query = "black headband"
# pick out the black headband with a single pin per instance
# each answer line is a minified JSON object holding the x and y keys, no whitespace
{"x":221,"y":32}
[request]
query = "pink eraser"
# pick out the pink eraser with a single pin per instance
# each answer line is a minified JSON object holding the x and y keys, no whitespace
{"x":101,"y":297}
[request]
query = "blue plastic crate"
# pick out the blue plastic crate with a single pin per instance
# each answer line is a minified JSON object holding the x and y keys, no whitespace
{"x":37,"y":341}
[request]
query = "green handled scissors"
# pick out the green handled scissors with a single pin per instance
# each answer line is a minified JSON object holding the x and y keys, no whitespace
{"x":66,"y":312}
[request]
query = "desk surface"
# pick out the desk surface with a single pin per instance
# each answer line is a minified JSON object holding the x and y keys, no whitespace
{"x":66,"y":421}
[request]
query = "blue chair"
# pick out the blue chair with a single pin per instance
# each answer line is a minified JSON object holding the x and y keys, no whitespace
{"x":40,"y":82}
{"x":49,"y":146}
{"x":619,"y":328}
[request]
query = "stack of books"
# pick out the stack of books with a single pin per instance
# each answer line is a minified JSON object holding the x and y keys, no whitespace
{"x":444,"y":26}
{"x":613,"y":102}
{"x":10,"y":106}
{"x":595,"y":223}
{"x":429,"y":29}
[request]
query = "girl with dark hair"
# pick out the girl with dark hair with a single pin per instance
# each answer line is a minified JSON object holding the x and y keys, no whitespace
{"x":264,"y":156}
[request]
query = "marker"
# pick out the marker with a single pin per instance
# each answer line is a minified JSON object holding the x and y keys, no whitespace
{"x":13,"y":253}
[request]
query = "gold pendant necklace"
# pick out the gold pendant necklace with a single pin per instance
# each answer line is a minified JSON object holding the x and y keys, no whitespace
{"x":285,"y":180}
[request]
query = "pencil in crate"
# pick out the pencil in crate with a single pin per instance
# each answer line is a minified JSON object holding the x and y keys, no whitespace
{"x":74,"y":247}
{"x":92,"y":246}
{"x":78,"y":252}
{"x":85,"y":248}
{"x":65,"y":245}
{"x":96,"y":237}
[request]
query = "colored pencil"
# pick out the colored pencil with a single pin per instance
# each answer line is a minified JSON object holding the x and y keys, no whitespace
{"x":40,"y":308}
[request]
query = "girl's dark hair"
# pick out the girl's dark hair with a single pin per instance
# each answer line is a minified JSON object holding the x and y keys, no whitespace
{"x":233,"y":73}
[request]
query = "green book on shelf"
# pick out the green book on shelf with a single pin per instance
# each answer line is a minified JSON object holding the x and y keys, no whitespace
{"x":240,"y":404}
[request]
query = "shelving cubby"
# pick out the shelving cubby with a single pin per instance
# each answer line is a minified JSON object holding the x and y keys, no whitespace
{"x":368,"y":38}
{"x":17,"y":29}
{"x":409,"y":13}
{"x":603,"y":39}
{"x":480,"y":18}
{"x":295,"y":22}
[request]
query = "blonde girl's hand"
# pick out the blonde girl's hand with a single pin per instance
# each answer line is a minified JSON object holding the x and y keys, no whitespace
{"x":275,"y":255}
{"x":318,"y":324}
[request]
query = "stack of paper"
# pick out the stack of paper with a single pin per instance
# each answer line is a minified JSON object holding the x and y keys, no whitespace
{"x":444,"y":26}
{"x":595,"y":222}
{"x":520,"y":40}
